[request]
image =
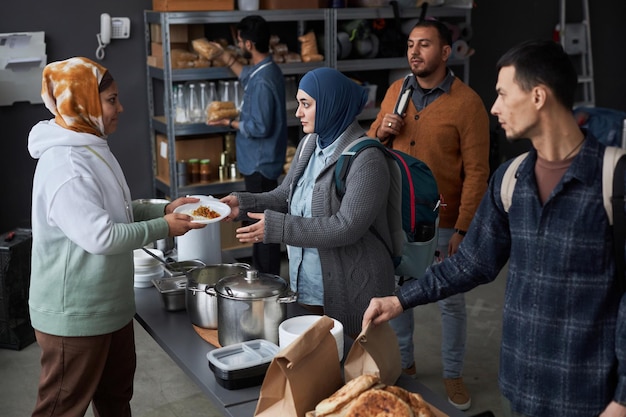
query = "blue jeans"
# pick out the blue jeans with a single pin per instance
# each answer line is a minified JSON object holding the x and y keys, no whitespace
{"x":453,"y":325}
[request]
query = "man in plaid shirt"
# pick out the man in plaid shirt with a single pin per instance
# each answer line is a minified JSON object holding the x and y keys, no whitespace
{"x":563,"y":349}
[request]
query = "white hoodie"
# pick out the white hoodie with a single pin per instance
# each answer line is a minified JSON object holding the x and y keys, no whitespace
{"x":83,"y":235}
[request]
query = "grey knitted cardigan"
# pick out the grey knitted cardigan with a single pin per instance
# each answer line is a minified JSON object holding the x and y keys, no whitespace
{"x":356,"y":266}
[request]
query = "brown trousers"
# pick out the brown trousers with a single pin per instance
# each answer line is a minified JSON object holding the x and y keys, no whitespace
{"x":78,"y":370}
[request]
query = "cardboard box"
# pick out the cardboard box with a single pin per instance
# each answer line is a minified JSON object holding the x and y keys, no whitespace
{"x":289,"y":4}
{"x":178,"y":33}
{"x":192,"y":5}
{"x":155,"y":61}
{"x":157,"y":48}
{"x":186,"y":148}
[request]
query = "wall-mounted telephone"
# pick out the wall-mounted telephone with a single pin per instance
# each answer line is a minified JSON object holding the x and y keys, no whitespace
{"x":111,"y":28}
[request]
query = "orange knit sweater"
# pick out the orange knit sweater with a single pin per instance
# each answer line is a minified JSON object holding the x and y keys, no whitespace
{"x":451,"y":135}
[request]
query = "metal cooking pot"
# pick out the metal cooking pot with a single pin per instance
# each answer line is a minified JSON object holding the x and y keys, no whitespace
{"x":165,"y":245}
{"x":251,"y":306}
{"x":200,"y":298}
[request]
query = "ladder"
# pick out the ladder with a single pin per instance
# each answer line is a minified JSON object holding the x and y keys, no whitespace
{"x":576,"y":41}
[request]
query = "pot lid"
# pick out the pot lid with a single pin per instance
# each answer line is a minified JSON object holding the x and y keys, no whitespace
{"x":251,"y":285}
{"x":211,"y":274}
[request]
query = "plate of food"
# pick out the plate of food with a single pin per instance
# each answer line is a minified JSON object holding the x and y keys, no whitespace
{"x":205,"y":211}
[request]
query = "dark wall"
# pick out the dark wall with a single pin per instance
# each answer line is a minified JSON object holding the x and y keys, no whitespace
{"x":71,"y":27}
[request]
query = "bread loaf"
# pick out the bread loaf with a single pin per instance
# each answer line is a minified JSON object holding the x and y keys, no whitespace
{"x":218,"y":110}
{"x":207,"y":50}
{"x":365,"y":396}
{"x":345,"y":395}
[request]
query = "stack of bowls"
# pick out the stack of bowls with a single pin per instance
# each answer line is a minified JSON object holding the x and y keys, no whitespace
{"x":146,"y":267}
{"x":291,"y":329}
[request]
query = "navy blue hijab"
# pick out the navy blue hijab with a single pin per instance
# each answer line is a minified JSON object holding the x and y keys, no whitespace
{"x":338,"y":100}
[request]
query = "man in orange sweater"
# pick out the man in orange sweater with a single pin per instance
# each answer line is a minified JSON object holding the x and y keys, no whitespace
{"x":445,"y":124}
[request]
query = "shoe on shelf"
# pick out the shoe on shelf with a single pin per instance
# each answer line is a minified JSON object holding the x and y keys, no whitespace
{"x":457,"y":393}
{"x":410,"y":371}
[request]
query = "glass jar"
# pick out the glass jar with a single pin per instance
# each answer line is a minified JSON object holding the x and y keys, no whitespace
{"x":205,"y":170}
{"x":181,"y":172}
{"x":194,"y":170}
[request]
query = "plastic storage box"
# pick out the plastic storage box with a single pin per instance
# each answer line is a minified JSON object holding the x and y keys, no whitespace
{"x":16,"y":331}
{"x":242,"y":365}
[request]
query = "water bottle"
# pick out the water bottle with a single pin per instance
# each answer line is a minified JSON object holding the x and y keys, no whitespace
{"x":204,"y":100}
{"x":180,"y":110}
{"x":194,"y":111}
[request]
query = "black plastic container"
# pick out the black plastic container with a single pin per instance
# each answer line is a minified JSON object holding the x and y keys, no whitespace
{"x":243,"y":364}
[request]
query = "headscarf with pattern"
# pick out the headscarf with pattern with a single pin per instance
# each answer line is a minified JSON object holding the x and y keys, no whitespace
{"x":338,"y":100}
{"x":70,"y":90}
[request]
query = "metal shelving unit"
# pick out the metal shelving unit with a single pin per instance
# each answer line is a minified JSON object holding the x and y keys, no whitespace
{"x":165,"y":123}
{"x":366,"y":13}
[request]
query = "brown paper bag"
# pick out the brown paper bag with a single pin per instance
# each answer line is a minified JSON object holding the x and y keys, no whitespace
{"x":303,"y":374}
{"x":375,"y":351}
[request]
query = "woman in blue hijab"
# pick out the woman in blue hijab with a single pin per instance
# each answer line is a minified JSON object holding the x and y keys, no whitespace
{"x":336,"y":261}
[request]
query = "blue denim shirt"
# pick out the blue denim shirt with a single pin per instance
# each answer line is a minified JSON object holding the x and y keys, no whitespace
{"x":563,"y":350}
{"x":262,"y":136}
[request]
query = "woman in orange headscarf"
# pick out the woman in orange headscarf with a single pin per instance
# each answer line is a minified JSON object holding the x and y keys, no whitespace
{"x":84,"y":231}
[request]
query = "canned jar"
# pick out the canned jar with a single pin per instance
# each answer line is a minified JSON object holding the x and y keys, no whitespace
{"x":234,"y":174}
{"x":194,"y":170}
{"x":205,"y":170}
{"x":221,"y":170}
{"x":181,"y":172}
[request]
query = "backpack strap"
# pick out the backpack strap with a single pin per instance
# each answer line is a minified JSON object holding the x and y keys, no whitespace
{"x":509,"y":180}
{"x":341,"y":172}
{"x":612,"y":156}
{"x":345,"y":160}
{"x":615,"y":166}
{"x":613,"y":171}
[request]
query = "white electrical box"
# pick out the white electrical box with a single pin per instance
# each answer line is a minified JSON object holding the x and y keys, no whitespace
{"x":22,"y":59}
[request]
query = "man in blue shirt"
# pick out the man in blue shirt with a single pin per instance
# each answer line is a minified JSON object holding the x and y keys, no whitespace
{"x":261,"y":140}
{"x":563,"y":350}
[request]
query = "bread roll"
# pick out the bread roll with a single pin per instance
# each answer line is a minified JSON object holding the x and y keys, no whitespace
{"x":379,"y":403}
{"x":207,"y":50}
{"x":345,"y":394}
{"x":218,"y":110}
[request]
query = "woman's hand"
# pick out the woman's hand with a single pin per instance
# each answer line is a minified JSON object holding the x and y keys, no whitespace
{"x":253,"y":233}
{"x":179,"y":224}
{"x":232,"y":202}
{"x":179,"y":202}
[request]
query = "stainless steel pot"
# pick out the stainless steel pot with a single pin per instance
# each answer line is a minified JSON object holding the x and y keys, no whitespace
{"x":251,"y":306}
{"x":165,"y":245}
{"x":200,"y":297}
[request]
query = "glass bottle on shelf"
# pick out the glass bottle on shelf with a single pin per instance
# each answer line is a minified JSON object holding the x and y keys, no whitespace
{"x":207,"y":96}
{"x":194,"y":111}
{"x":226,"y":92}
{"x":180,"y":108}
{"x":237,"y":95}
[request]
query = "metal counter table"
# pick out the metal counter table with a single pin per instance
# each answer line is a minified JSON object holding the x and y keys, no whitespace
{"x":173,"y":331}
